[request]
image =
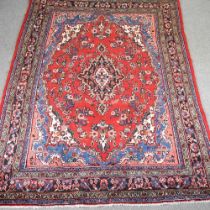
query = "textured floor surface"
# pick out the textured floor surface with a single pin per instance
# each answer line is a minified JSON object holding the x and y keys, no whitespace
{"x":197,"y":26}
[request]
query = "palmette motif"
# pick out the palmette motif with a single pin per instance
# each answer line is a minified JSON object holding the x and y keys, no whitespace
{"x":101,"y":108}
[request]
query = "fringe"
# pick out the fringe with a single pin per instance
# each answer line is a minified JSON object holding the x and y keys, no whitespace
{"x":201,"y":205}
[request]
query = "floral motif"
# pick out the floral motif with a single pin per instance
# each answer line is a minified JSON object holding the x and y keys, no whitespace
{"x":101,"y":78}
{"x":88,"y":74}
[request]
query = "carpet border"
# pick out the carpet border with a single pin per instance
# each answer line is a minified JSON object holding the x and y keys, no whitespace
{"x":192,"y":69}
{"x":198,"y":98}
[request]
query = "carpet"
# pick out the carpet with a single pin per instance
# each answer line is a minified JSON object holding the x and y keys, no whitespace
{"x":101,"y":106}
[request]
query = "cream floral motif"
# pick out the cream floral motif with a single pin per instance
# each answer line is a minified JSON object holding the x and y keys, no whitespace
{"x":145,"y":131}
{"x":59,"y":132}
{"x":69,"y":33}
{"x":135,"y":33}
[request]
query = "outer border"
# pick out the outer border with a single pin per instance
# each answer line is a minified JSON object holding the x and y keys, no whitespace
{"x":192,"y":69}
{"x":113,"y":203}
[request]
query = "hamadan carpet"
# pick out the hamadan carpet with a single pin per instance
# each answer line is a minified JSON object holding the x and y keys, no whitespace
{"x":101,"y":106}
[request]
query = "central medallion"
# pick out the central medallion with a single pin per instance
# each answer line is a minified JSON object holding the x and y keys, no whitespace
{"x":101,"y":79}
{"x":101,"y":88}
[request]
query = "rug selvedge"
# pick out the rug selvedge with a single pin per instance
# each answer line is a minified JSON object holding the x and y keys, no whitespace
{"x":103,"y":108}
